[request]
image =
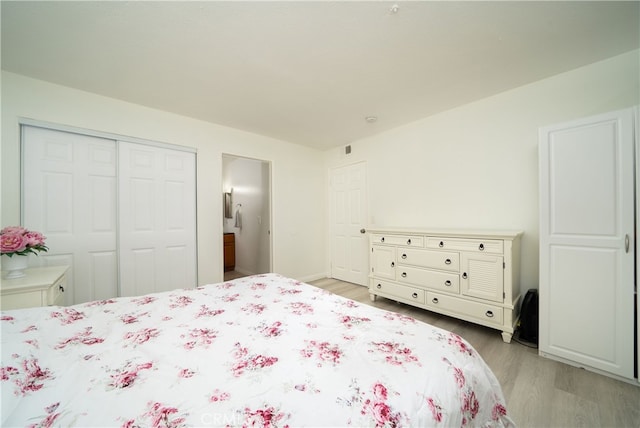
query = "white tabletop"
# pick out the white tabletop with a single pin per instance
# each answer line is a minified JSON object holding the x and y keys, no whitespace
{"x":35,"y":279}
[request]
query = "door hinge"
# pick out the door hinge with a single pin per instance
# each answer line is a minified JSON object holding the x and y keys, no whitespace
{"x":504,"y":295}
{"x":504,"y":265}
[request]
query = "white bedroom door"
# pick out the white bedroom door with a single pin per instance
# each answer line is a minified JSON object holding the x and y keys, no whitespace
{"x":69,"y":194}
{"x":157,"y":232}
{"x":348,"y":207}
{"x":587,"y":242}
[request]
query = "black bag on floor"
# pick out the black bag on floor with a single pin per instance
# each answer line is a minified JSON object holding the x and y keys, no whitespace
{"x":529,"y":317}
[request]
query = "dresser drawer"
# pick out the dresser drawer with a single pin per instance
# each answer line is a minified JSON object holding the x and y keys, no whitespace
{"x":400,"y":291}
{"x":442,"y":260}
{"x":482,"y":312}
{"x":22,"y":300}
{"x":55,"y":293}
{"x":41,"y":286}
{"x":399,"y":240}
{"x":481,"y":245}
{"x":428,"y":278}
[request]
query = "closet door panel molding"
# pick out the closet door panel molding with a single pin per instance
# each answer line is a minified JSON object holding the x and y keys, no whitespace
{"x":121,"y":214}
{"x":69,"y":194}
{"x":587,"y":233}
{"x":157,"y":219}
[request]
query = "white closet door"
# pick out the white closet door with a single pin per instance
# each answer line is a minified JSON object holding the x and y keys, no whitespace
{"x":157,"y":219}
{"x":69,"y":194}
{"x":587,"y":242}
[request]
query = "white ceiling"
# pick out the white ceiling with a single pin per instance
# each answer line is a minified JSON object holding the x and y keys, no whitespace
{"x":309,"y":72}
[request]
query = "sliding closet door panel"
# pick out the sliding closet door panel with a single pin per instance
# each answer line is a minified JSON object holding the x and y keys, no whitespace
{"x":586,"y":242}
{"x":57,"y":202}
{"x":142,"y":272}
{"x":69,"y":194}
{"x":157,"y":219}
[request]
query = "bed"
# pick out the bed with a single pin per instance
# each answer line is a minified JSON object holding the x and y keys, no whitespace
{"x":265,"y":351}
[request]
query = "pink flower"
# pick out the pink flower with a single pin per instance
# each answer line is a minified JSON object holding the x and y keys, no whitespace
{"x":20,"y":241}
{"x":498,"y":411}
{"x":13,"y":229}
{"x":245,"y":361}
{"x":470,"y":404}
{"x":68,"y":315}
{"x":83,"y":337}
{"x":459,"y":376}
{"x":267,"y":417}
{"x":160,"y":416}
{"x":34,"y":238}
{"x":13,"y":243}
{"x":181,"y":302}
{"x":141,"y":336}
{"x":206,"y":312}
{"x":50,"y":419}
{"x":459,"y":343}
{"x":381,"y":413}
{"x":272,"y":330}
{"x":436,"y":410}
{"x":145,"y":300}
{"x":29,"y":378}
{"x":219,"y":396}
{"x":324,"y":351}
{"x":396,"y":353}
{"x":186,"y":373}
{"x":380,"y":391}
{"x":125,"y":377}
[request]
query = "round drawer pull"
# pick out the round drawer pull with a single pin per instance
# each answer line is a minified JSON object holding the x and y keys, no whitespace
{"x":441,"y":244}
{"x":447,"y":283}
{"x":489,"y":314}
{"x":464,"y":275}
{"x":408,"y":241}
{"x":414,"y":295}
{"x":435,"y":300}
{"x":382,"y":239}
{"x":404,"y":256}
{"x":447,"y":262}
{"x":404,"y":274}
{"x":393,"y":264}
{"x":481,"y":247}
{"x":379,"y":286}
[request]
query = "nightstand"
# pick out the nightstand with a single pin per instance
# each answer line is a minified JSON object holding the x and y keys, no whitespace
{"x":42,"y":286}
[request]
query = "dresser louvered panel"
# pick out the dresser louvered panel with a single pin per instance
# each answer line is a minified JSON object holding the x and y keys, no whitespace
{"x":468,"y":275}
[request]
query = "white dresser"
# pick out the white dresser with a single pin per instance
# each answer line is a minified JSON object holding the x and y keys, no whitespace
{"x":42,"y":286}
{"x":470,"y":275}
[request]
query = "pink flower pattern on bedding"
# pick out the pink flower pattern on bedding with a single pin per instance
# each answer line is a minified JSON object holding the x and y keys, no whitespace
{"x":261,"y":351}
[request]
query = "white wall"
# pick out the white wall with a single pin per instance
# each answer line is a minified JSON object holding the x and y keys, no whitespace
{"x":474,"y":167}
{"x":477,"y":166}
{"x":295,"y":205}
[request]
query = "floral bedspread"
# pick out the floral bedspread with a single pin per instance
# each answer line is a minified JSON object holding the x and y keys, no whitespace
{"x":262,"y":351}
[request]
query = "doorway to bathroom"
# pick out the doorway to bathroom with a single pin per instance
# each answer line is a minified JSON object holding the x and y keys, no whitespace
{"x":246,"y":192}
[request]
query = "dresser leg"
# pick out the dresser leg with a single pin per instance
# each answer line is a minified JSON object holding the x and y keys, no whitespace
{"x":372,"y":297}
{"x":506,"y":337}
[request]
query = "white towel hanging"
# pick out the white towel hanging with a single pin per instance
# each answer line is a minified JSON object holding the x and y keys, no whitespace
{"x":238,"y":218}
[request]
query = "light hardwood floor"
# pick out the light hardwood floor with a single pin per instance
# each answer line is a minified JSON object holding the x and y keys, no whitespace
{"x":539,"y":392}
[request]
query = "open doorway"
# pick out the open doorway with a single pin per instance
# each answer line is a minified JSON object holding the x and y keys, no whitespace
{"x":246,"y":192}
